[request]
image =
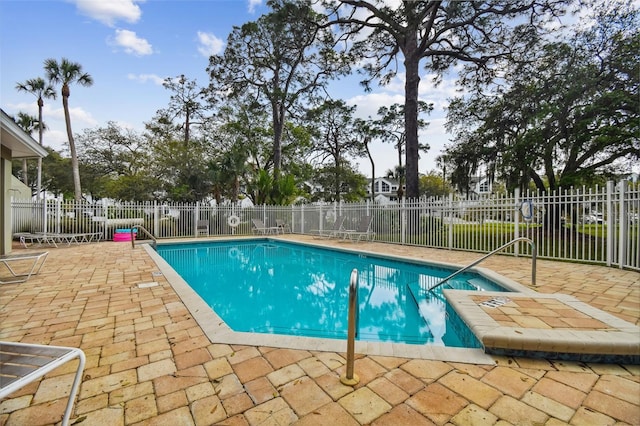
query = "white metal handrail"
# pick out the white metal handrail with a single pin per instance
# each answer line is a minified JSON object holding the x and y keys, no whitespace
{"x":145,"y":231}
{"x":350,"y":378}
{"x":510,"y":243}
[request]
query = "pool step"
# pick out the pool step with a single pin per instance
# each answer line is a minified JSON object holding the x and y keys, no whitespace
{"x":420,"y":299}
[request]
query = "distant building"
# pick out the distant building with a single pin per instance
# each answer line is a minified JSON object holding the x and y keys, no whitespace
{"x":386,"y":190}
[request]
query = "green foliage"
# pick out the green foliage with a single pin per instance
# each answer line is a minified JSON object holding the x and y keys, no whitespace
{"x":334,"y":139}
{"x":570,"y":114}
{"x":407,"y":36}
{"x":56,"y":178}
{"x":284,"y":58}
{"x":339,"y":184}
{"x":433,"y":185}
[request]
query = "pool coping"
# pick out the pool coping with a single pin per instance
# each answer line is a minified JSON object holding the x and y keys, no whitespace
{"x":616,"y":341}
{"x":620,"y":344}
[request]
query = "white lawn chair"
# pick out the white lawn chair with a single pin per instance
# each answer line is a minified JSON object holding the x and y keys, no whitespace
{"x":40,"y":238}
{"x":260,"y":228}
{"x":31,"y":263}
{"x":23,"y":363}
{"x":363,"y":230}
{"x":334,"y":231}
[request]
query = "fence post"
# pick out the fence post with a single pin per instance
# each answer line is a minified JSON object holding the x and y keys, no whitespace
{"x":450,"y":231}
{"x":624,"y":225}
{"x":302,"y":218}
{"x":44,"y":214}
{"x":156,"y":219}
{"x":292,"y":218}
{"x":58,"y":214}
{"x":403,"y":221}
{"x":610,"y":223}
{"x":196,"y":217}
{"x":516,"y":220}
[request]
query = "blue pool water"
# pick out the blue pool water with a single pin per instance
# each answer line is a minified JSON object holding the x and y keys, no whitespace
{"x":266,"y":286}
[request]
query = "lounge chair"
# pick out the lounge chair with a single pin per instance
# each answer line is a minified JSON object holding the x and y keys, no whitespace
{"x":23,"y":363}
{"x":31,"y":262}
{"x":334,"y":231}
{"x":40,"y":238}
{"x":283,"y":226}
{"x":363,"y":231}
{"x":202,"y":227}
{"x":54,"y":238}
{"x":260,"y":228}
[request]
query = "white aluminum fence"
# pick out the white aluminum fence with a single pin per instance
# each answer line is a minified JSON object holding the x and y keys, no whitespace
{"x":597,"y":226}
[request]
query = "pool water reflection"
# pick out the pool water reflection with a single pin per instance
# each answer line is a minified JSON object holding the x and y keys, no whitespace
{"x":285,"y":288}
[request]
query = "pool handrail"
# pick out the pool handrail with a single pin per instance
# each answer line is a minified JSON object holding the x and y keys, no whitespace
{"x":146,"y":232}
{"x":350,"y":378}
{"x":510,"y":243}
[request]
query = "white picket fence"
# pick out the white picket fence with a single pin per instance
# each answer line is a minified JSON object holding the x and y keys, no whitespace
{"x":596,"y":226}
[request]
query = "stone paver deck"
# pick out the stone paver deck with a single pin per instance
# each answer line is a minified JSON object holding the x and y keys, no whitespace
{"x":149,"y":362}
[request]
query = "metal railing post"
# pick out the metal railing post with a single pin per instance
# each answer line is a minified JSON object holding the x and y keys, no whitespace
{"x":516,"y":220}
{"x":623,"y":223}
{"x":350,"y":378}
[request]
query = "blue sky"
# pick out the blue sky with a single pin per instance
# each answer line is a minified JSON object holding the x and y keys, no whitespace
{"x":130,"y":46}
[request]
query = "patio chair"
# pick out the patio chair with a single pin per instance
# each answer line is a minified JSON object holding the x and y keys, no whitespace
{"x":260,"y":228}
{"x":363,"y":230}
{"x":202,"y":227}
{"x":283,"y":226}
{"x":334,"y":231}
{"x":23,"y":363}
{"x":31,"y":262}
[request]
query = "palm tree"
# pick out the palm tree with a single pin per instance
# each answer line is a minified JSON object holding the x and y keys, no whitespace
{"x":41,"y":89}
{"x":65,"y":73}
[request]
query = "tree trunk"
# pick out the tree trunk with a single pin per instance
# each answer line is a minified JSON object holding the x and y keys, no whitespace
{"x":278,"y":126}
{"x":373,"y":170}
{"x":75,"y":168}
{"x":40,"y":132}
{"x":411,"y":118}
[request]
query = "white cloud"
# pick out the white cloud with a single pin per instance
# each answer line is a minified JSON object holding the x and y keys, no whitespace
{"x":143,"y":78}
{"x":369,"y":103}
{"x":53,"y":116}
{"x":253,"y":4}
{"x":131,"y":43}
{"x":438,"y":95}
{"x":110,"y":11}
{"x":209,"y":44}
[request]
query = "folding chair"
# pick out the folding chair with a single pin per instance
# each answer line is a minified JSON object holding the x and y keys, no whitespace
{"x":23,"y":363}
{"x":33,"y":262}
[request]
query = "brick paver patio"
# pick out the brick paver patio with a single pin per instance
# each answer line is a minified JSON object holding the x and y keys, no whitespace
{"x":150,"y":363}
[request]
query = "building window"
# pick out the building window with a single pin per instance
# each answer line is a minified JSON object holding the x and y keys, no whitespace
{"x":385,"y":187}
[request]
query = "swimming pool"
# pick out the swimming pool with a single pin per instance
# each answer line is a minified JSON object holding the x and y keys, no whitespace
{"x":275,"y":287}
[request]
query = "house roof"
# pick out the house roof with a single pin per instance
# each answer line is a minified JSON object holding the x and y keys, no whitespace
{"x":17,"y":140}
{"x":390,"y":181}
